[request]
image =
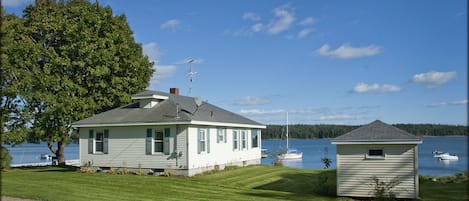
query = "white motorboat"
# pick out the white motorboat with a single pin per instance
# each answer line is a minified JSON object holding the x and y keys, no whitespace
{"x":264,"y":153}
{"x":448,"y":156}
{"x":290,"y":154}
{"x":46,"y":157}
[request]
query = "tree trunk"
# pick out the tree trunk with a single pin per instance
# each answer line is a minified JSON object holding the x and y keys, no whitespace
{"x":59,"y":152}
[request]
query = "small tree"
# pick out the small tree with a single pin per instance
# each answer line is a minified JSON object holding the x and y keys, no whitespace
{"x":326,"y":160}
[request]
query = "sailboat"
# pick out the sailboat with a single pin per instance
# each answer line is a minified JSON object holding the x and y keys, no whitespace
{"x":290,"y":154}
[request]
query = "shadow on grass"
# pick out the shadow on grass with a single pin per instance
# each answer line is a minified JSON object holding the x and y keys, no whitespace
{"x":300,"y":186}
{"x":50,"y":169}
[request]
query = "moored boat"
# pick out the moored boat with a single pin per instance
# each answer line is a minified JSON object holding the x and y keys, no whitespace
{"x":264,"y":153}
{"x":290,"y":154}
{"x":448,"y":156}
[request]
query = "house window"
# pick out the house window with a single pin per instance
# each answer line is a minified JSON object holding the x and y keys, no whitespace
{"x":254,"y":138}
{"x":202,"y":140}
{"x":235,"y":140}
{"x":158,"y":142}
{"x":99,"y":141}
{"x":221,"y":135}
{"x":243,"y":139}
{"x":375,"y":154}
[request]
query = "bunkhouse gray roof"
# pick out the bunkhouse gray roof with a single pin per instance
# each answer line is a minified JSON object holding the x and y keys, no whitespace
{"x":375,"y":132}
{"x":176,"y":109}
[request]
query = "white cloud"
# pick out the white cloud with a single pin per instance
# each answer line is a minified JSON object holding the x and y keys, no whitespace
{"x":251,"y":16}
{"x":375,"y":88}
{"x":15,"y":3}
{"x":452,"y":103}
{"x":261,"y":112}
{"x":162,"y":72}
{"x":305,"y":32}
{"x":284,"y":18}
{"x":252,"y":100}
{"x":345,"y":51}
{"x":172,"y":24}
{"x":257,"y":27}
{"x":307,"y":21}
{"x":152,"y":51}
{"x":337,"y":117}
{"x":433,"y":78}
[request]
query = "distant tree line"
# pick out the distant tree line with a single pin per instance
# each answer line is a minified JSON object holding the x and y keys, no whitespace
{"x":304,"y":131}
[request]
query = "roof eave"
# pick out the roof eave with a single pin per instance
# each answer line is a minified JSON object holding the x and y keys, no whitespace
{"x":238,"y":125}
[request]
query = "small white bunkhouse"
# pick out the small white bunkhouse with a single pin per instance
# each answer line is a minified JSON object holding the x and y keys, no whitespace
{"x":377,"y":150}
{"x":168,"y":132}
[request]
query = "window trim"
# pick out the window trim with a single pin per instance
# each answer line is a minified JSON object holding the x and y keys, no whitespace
{"x":96,"y":141}
{"x":155,"y":140}
{"x":236,"y":140}
{"x":221,"y":132}
{"x":256,"y":132}
{"x":202,"y":138}
{"x":244,"y":141}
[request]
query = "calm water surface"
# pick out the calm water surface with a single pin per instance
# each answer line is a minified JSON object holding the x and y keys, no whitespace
{"x":313,"y":150}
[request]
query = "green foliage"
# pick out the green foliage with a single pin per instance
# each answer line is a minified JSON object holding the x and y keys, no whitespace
{"x":6,"y":158}
{"x":327,"y":162}
{"x":69,"y":60}
{"x":444,"y":188}
{"x":325,"y":185}
{"x":382,"y":190}
{"x":331,"y":131}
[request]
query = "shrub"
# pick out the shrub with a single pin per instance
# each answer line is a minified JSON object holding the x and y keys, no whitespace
{"x":6,"y":158}
{"x":231,"y":167}
{"x":325,"y":185}
{"x":382,"y":190}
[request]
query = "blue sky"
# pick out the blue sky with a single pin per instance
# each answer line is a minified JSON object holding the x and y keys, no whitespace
{"x":324,"y":62}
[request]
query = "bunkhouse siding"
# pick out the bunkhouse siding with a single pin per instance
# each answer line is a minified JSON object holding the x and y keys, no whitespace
{"x":354,"y":171}
{"x":127,"y":147}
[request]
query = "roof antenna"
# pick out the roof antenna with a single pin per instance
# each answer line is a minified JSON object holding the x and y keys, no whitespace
{"x":191,"y":74}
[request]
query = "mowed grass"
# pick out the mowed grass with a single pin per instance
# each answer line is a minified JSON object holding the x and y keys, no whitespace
{"x":249,"y":183}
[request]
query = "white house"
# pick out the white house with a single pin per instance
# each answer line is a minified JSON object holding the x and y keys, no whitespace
{"x":168,"y":132}
{"x":377,"y":150}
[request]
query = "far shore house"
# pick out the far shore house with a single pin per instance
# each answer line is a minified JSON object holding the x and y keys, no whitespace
{"x":168,"y":132}
{"x":377,"y":150}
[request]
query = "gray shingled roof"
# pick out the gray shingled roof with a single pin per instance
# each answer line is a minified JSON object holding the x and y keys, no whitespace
{"x":165,"y":112}
{"x":376,"y":131}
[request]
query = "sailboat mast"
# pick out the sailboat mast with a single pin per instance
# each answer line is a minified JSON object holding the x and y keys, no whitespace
{"x":287,"y":130}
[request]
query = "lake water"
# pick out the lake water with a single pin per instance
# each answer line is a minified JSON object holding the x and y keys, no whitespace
{"x":313,"y":150}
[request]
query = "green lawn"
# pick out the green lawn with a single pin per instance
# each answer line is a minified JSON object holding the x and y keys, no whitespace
{"x":250,"y":183}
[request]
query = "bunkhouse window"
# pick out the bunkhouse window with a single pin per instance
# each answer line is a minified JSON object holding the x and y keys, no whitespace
{"x":158,"y":142}
{"x":243,"y":139}
{"x":255,"y":138}
{"x":375,"y":154}
{"x":99,"y":141}
{"x":235,"y":140}
{"x":221,"y":135}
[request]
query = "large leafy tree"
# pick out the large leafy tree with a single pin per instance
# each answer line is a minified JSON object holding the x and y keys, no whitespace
{"x":73,"y":59}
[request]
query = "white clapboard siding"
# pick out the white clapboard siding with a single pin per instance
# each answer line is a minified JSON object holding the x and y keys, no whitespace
{"x":127,"y":148}
{"x":354,"y":171}
{"x":221,"y":153}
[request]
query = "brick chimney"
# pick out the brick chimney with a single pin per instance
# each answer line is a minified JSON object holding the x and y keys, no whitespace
{"x":174,"y":91}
